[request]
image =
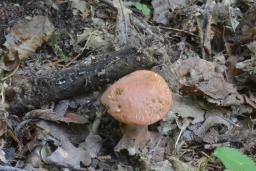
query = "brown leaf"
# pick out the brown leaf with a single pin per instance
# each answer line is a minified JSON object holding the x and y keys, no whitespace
{"x":25,"y":38}
{"x":49,"y":115}
{"x":211,"y":136}
{"x":162,"y":9}
{"x":75,"y":133}
{"x":3,"y":128}
{"x":69,"y":156}
{"x":187,"y":107}
{"x":198,"y":77}
{"x":92,"y":144}
{"x":80,"y":6}
{"x":149,"y":145}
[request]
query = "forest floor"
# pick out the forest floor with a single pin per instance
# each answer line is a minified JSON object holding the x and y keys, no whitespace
{"x":58,"y":57}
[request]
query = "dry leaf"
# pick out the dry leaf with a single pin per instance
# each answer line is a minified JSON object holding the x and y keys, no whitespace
{"x":80,"y":6}
{"x":164,"y":165}
{"x":2,"y":156}
{"x":92,"y":145}
{"x":152,"y":148}
{"x":211,"y":136}
{"x":181,"y":166}
{"x":3,"y":128}
{"x":49,"y":115}
{"x":198,"y":77}
{"x":162,"y":9}
{"x":75,"y":133}
{"x":25,"y":38}
{"x":69,"y":156}
{"x":95,"y":39}
{"x":187,"y":107}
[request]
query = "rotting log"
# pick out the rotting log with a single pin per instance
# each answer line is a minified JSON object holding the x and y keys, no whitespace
{"x":35,"y":91}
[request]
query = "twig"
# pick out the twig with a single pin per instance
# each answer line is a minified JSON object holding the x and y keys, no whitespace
{"x":11,"y":74}
{"x":96,"y":122}
{"x":178,"y":30}
{"x":77,"y":56}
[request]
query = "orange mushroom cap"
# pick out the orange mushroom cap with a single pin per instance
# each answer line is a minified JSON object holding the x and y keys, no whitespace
{"x":140,"y":98}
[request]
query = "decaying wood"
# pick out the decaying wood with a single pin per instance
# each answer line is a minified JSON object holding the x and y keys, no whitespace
{"x":33,"y":92}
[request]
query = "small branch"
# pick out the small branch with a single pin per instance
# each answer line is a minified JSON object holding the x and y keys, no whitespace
{"x":177,"y":30}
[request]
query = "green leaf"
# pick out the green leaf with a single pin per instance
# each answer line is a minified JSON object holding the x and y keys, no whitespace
{"x":234,"y":160}
{"x":142,"y":7}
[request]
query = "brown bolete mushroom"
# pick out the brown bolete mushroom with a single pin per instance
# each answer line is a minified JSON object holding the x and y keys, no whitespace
{"x":138,"y":99}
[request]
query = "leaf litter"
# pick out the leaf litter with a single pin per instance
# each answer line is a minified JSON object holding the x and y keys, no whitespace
{"x":205,"y":51}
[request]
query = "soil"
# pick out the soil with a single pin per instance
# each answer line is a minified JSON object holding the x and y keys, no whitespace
{"x":208,"y":65}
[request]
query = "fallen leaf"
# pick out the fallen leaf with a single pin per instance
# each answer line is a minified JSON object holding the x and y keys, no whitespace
{"x":164,"y":165}
{"x":179,"y":165}
{"x":25,"y":38}
{"x":211,"y":120}
{"x":162,"y":9}
{"x":2,"y":156}
{"x":198,"y":77}
{"x":152,"y":149}
{"x":80,"y":6}
{"x":95,"y":39}
{"x":49,"y":115}
{"x":75,"y":133}
{"x":92,"y":145}
{"x":121,"y":167}
{"x":33,"y":160}
{"x":187,"y":107}
{"x":234,"y":14}
{"x":252,"y":47}
{"x":69,"y":156}
{"x":3,"y":127}
{"x":161,"y":12}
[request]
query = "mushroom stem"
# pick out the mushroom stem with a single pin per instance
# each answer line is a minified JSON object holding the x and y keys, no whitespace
{"x":135,"y":137}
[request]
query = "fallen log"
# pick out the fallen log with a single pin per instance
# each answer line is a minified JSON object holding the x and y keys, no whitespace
{"x":35,"y":91}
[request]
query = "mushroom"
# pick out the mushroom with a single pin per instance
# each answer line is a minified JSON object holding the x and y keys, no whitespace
{"x":138,"y":99}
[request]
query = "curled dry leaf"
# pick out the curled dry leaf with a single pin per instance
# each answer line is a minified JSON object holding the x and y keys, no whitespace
{"x":80,"y":6}
{"x":179,"y":165}
{"x":198,"y":77}
{"x":95,"y":39}
{"x":69,"y":156}
{"x":33,"y":160}
{"x":3,"y":127}
{"x":208,"y":135}
{"x":2,"y":156}
{"x":164,"y":165}
{"x":92,"y":144}
{"x":49,"y":115}
{"x":152,"y":150}
{"x":187,"y":107}
{"x":248,"y":67}
{"x":25,"y":37}
{"x":3,"y":130}
{"x":162,"y":9}
{"x":75,"y":133}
